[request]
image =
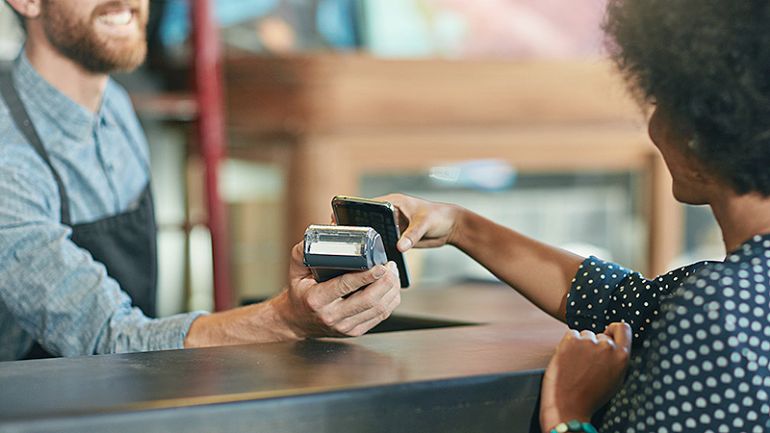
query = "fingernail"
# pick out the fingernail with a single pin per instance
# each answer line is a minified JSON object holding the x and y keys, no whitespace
{"x":379,"y":271}
{"x":405,"y":244}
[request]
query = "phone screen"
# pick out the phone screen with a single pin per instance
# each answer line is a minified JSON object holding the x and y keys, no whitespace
{"x":380,"y":216}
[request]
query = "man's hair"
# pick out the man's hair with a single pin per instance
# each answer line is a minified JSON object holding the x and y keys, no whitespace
{"x":707,"y":63}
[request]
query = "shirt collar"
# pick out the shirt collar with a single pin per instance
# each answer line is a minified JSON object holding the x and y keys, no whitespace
{"x":70,"y":117}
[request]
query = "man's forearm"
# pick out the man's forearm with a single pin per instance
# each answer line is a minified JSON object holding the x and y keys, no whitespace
{"x":540,"y":272}
{"x":258,"y":323}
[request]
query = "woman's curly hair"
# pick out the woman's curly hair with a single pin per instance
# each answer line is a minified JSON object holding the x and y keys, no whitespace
{"x":708,"y":63}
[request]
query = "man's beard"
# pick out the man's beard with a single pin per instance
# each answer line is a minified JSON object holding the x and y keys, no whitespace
{"x":78,"y":41}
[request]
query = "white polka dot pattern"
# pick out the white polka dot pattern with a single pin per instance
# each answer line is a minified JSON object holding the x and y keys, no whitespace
{"x":701,"y":341}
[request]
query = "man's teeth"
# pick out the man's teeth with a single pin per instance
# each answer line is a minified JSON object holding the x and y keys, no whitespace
{"x":117,"y":18}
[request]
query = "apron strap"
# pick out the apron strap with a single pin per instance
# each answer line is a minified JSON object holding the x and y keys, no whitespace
{"x":24,"y":123}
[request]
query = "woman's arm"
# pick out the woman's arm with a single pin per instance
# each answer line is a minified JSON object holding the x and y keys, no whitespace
{"x":540,"y":272}
{"x":586,"y":293}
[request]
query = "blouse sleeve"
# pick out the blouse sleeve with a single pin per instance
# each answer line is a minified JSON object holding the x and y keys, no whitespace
{"x":604,"y":292}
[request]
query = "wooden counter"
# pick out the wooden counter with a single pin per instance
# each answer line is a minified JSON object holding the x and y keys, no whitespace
{"x":457,"y":379}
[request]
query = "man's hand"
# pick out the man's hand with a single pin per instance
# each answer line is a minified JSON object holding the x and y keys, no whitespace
{"x":312,"y":309}
{"x":424,"y":224}
{"x":306,"y":309}
{"x":584,"y":373}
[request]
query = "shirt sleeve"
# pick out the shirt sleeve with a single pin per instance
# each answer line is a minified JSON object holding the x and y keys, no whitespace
{"x":55,"y":290}
{"x":604,"y":292}
{"x":704,"y":369}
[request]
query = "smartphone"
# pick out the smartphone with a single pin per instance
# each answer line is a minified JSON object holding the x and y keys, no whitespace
{"x":379,"y":215}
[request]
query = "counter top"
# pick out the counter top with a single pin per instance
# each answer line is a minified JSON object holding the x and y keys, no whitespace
{"x":420,"y":378}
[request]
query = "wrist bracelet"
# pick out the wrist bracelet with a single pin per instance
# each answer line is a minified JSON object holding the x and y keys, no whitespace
{"x":574,"y":426}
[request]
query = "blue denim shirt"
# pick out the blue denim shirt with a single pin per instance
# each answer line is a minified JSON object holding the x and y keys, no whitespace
{"x":51,"y":290}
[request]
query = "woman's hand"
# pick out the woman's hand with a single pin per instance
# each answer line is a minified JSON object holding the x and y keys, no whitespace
{"x":424,"y":224}
{"x":584,"y":373}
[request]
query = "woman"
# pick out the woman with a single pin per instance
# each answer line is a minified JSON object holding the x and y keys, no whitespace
{"x":701,"y":334}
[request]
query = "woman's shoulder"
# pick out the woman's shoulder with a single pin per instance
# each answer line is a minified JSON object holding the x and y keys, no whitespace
{"x":722,"y":282}
{"x":707,"y":351}
{"x":678,"y":277}
{"x":726,"y":301}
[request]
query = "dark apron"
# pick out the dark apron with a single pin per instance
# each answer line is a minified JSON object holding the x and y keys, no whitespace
{"x":124,"y":243}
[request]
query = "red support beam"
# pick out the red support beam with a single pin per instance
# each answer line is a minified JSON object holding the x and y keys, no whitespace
{"x":211,"y":133}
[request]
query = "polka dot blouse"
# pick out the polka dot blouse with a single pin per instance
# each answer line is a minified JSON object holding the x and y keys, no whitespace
{"x":699,"y":362}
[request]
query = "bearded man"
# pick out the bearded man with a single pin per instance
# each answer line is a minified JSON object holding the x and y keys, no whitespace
{"x":77,"y":227}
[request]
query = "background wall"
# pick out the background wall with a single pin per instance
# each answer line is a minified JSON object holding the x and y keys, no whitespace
{"x":591,"y":213}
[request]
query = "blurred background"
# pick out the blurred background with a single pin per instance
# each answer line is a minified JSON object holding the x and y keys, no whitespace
{"x":507,"y":107}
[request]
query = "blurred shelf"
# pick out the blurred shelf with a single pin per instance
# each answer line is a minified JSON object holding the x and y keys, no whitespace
{"x":329,"y":119}
{"x":323,"y":93}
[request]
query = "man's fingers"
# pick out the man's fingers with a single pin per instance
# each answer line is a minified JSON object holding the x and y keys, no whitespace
{"x":349,"y":283}
{"x":378,"y":311}
{"x":371,"y":295}
{"x":372,"y":302}
{"x":364,"y":327}
{"x":297,"y":268}
{"x":298,"y":251}
{"x":620,"y":332}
